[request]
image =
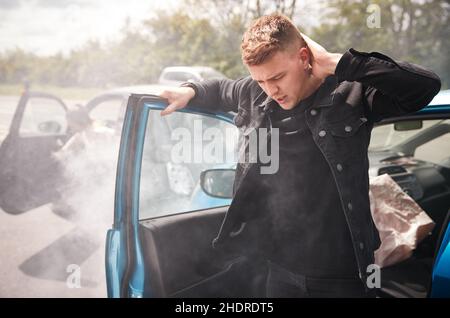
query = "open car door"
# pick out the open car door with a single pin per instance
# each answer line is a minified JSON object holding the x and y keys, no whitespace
{"x":161,"y":241}
{"x":28,"y":171}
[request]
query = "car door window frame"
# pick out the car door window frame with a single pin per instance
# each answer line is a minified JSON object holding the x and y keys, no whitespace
{"x":126,"y":208}
{"x":23,"y":102}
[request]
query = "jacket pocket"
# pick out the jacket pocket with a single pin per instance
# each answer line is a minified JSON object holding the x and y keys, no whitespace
{"x":350,"y":139}
{"x":348,"y":127}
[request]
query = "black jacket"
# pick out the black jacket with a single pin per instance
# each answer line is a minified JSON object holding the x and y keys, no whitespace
{"x":366,"y":87}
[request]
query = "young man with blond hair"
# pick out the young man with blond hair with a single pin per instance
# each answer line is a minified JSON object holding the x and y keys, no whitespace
{"x":309,"y":221}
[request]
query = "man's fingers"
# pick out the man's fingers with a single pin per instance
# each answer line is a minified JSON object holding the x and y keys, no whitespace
{"x":313,"y":45}
{"x":169,"y":109}
{"x":176,"y":98}
{"x":308,"y":40}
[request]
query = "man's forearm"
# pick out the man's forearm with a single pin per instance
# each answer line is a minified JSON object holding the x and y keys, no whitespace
{"x":411,"y":86}
{"x":216,"y":94}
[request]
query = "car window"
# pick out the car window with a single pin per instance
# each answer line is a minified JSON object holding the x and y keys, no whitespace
{"x":177,"y":149}
{"x":43,"y":117}
{"x":9,"y":104}
{"x":386,"y":136}
{"x":109,"y":113}
{"x":431,"y":142}
{"x":436,"y":150}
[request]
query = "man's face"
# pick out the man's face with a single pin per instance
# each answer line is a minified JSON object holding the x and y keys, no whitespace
{"x":282,"y":76}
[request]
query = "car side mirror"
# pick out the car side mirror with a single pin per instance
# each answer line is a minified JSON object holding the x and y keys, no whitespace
{"x":408,"y":125}
{"x":49,"y":127}
{"x":218,"y":183}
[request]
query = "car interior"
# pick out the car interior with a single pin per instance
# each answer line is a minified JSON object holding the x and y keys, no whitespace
{"x":428,"y":183}
{"x":181,"y":261}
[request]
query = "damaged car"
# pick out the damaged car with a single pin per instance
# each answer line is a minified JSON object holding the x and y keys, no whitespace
{"x":37,"y":157}
{"x":30,"y":173}
{"x":161,"y":246}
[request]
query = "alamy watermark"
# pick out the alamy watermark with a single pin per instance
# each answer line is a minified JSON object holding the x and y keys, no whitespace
{"x":374,"y":278}
{"x":215,"y":146}
{"x":74,"y":278}
{"x":373,"y":21}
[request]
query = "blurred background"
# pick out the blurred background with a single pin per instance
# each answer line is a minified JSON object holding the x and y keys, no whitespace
{"x":99,"y":44}
{"x":78,"y":49}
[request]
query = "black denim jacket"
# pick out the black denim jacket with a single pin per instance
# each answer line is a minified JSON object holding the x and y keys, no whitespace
{"x":366,"y":87}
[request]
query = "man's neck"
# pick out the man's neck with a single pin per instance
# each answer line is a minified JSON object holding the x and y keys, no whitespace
{"x":311,"y":87}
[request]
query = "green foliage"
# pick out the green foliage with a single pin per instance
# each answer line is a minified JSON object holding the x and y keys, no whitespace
{"x":180,"y":40}
{"x":416,"y":31}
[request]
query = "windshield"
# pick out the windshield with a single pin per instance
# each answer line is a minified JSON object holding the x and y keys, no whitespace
{"x":385,"y":136}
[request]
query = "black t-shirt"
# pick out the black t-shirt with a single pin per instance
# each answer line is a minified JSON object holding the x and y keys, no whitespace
{"x":309,"y":233}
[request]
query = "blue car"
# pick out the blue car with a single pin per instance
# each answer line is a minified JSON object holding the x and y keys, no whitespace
{"x":160,"y":242}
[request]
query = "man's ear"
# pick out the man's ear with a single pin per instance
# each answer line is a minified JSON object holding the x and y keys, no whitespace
{"x":305,"y":57}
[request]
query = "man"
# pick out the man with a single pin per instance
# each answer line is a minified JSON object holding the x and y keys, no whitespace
{"x":311,"y":219}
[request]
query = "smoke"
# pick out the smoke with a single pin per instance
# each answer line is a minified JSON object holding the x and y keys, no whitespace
{"x":88,"y":164}
{"x":86,"y":199}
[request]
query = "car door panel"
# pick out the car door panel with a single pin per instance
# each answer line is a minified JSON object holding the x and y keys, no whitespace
{"x":181,"y":261}
{"x":31,"y":176}
{"x":176,"y":248}
{"x":29,"y":171}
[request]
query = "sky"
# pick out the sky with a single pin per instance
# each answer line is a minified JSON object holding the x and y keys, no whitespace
{"x":46,"y":27}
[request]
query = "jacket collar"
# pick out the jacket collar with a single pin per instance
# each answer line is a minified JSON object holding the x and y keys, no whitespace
{"x":326,"y":93}
{"x":324,"y":97}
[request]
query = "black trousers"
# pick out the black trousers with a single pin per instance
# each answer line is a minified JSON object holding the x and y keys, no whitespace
{"x":282,"y":283}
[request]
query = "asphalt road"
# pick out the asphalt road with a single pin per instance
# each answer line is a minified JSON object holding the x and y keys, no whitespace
{"x":38,"y":247}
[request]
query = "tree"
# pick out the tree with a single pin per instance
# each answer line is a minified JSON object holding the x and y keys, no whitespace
{"x":415,"y":31}
{"x":179,"y":39}
{"x":247,"y":10}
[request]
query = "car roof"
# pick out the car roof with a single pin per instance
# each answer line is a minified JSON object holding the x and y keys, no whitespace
{"x":442,"y":98}
{"x":440,"y":104}
{"x":153,"y":89}
{"x":187,"y":68}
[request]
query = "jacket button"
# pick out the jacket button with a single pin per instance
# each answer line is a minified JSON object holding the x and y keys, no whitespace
{"x":350,"y":206}
{"x":348,"y":128}
{"x":322,"y":133}
{"x":361,"y":245}
{"x":313,"y":112}
{"x":339,"y":167}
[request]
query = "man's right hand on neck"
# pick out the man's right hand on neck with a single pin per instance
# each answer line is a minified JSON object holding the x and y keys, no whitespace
{"x":177,"y":97}
{"x":323,"y":62}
